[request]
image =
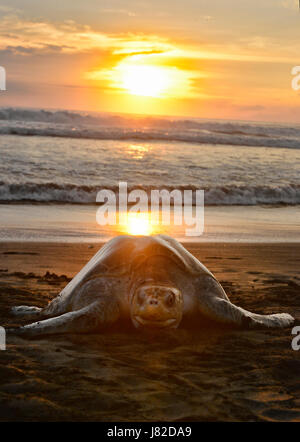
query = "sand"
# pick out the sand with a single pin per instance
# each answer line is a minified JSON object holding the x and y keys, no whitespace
{"x":208,"y":374}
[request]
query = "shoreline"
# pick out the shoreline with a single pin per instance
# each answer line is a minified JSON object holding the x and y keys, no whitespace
{"x":67,"y":223}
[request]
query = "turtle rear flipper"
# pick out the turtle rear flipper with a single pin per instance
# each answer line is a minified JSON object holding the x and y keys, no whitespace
{"x":213,"y":304}
{"x":225,"y":312}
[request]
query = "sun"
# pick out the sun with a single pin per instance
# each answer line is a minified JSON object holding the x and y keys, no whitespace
{"x":147,"y":81}
{"x":141,"y":77}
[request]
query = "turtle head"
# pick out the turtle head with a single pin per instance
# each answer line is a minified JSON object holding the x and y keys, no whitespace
{"x":156,"y":306}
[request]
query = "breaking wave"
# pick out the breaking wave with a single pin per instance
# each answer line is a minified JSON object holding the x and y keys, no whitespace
{"x":225,"y":195}
{"x":113,"y":127}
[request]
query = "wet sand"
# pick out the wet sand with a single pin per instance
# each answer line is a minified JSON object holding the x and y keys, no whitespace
{"x":208,"y":374}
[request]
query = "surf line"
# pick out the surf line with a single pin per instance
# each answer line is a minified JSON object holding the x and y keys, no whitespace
{"x":187,"y":204}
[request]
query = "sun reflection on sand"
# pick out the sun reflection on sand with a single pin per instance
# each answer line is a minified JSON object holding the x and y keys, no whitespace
{"x":147,"y":223}
{"x":138,"y":224}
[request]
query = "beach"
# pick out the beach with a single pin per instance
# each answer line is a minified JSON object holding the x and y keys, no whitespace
{"x":203,"y":373}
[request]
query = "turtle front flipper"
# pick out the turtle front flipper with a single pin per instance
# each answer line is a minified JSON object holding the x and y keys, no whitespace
{"x":214,"y":304}
{"x":92,"y":318}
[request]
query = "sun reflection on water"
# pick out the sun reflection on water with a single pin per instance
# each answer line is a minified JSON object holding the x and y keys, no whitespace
{"x":137,"y":151}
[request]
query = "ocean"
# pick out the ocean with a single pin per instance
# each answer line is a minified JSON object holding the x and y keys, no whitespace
{"x":53,"y":163}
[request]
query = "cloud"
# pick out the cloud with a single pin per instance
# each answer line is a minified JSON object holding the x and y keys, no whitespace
{"x":256,"y":108}
{"x":290,"y":4}
{"x":120,"y":11}
{"x":26,"y":37}
{"x":35,"y":35}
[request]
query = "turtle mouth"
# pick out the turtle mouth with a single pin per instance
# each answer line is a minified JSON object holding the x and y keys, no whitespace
{"x":138,"y":320}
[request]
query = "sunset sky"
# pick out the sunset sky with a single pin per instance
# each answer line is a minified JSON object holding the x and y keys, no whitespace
{"x":199,"y":58}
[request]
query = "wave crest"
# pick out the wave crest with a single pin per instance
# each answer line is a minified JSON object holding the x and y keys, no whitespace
{"x":222,"y":195}
{"x":104,"y":126}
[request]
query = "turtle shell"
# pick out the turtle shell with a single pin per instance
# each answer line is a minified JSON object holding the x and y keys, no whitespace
{"x":123,"y":254}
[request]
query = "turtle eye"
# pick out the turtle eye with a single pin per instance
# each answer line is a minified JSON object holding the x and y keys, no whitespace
{"x":140,"y":297}
{"x":170,"y":299}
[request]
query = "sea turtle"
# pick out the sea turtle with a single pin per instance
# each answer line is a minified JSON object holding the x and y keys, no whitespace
{"x":152,"y":280}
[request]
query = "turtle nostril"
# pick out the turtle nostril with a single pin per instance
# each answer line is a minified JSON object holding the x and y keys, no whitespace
{"x":170,"y":299}
{"x":153,"y":301}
